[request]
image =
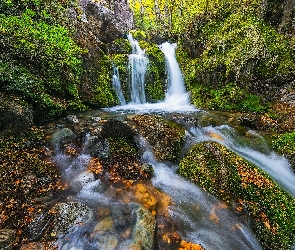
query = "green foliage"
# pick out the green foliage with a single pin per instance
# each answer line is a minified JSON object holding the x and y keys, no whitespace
{"x":156,"y":72}
{"x":39,"y":60}
{"x":284,"y":143}
{"x":228,"y":176}
{"x":104,"y":95}
{"x":227,"y":98}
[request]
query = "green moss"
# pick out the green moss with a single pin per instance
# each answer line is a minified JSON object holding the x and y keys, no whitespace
{"x":104,"y":95}
{"x":227,"y":98}
{"x":284,"y":144}
{"x":228,"y":176}
{"x":156,"y":72}
{"x":39,"y":61}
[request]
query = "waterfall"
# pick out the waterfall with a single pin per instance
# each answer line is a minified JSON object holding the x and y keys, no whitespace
{"x":176,"y":97}
{"x":176,"y":93}
{"x":138,"y":63}
{"x":117,"y":85}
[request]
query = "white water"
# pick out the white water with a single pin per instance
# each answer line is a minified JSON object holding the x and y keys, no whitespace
{"x":277,"y":167}
{"x":202,"y":218}
{"x":117,"y":85}
{"x":176,"y":94}
{"x":176,"y":97}
{"x":138,"y":63}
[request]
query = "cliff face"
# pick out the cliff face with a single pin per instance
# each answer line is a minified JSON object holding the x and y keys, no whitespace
{"x":98,"y":23}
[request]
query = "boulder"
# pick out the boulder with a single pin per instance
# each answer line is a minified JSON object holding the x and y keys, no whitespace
{"x":69,"y":214}
{"x":234,"y":180}
{"x":61,"y":137}
{"x":166,"y":137}
{"x":16,"y":115}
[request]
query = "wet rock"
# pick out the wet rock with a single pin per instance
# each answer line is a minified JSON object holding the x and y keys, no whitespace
{"x":96,"y":118}
{"x":81,"y":180}
{"x":8,"y":239}
{"x":109,"y":242}
{"x":143,"y":232}
{"x":39,"y":224}
{"x":117,"y":129}
{"x":72,"y":119}
{"x":105,"y":225}
{"x":98,"y":147}
{"x":63,"y":136}
{"x":16,"y":116}
{"x":165,"y":137}
{"x":67,"y":215}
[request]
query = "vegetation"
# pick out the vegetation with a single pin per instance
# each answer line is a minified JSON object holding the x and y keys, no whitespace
{"x":285,"y":145}
{"x":224,"y":48}
{"x":39,"y":60}
{"x":229,"y":177}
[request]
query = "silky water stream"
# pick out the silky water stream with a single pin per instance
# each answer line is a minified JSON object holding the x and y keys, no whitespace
{"x":178,"y":207}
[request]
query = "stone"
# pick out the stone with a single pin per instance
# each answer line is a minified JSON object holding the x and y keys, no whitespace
{"x":16,"y":116}
{"x":62,"y":136}
{"x":105,"y":225}
{"x":98,"y":147}
{"x":72,"y":119}
{"x":69,"y":214}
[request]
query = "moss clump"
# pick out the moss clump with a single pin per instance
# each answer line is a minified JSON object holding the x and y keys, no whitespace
{"x":39,"y":60}
{"x":104,"y":95}
{"x":227,"y":98}
{"x":156,"y":72}
{"x":228,"y":176}
{"x":285,"y":145}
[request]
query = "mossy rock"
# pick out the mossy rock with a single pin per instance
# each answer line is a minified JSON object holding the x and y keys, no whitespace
{"x":16,"y":115}
{"x":123,"y":161}
{"x":229,"y":177}
{"x":166,"y":137}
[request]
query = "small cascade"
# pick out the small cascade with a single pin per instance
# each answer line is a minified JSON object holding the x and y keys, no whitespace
{"x":176,"y":97}
{"x":256,"y":152}
{"x":176,"y":93}
{"x":138,"y":63}
{"x":117,"y":85}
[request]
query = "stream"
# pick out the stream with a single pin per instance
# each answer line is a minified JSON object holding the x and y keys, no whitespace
{"x":177,"y":205}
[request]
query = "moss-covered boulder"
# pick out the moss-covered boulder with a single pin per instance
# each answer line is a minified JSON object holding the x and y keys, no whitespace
{"x":16,"y":115}
{"x":229,"y":177}
{"x":166,"y":137}
{"x":123,"y":160}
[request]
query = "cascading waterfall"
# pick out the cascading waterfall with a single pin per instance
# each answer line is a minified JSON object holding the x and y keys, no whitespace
{"x":276,"y":166}
{"x":176,"y":97}
{"x":138,"y":63}
{"x":117,"y":85}
{"x":176,"y":93}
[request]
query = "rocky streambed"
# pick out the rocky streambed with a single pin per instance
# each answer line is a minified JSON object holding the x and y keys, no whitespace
{"x":86,"y":182}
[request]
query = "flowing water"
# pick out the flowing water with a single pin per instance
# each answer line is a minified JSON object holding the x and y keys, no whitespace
{"x":117,"y":85}
{"x":138,"y":63}
{"x":176,"y":97}
{"x":197,"y":216}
